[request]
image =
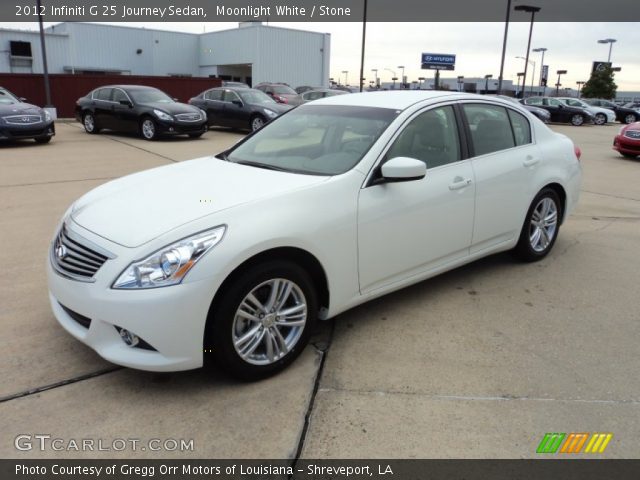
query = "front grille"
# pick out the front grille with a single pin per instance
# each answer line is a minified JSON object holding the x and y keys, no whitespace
{"x":72,"y":257}
{"x":635,"y":134}
{"x":81,"y":319}
{"x":189,"y":117}
{"x":23,"y":119}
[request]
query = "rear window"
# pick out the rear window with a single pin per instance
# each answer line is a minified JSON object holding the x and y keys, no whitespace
{"x":490,"y":128}
{"x":283,"y":89}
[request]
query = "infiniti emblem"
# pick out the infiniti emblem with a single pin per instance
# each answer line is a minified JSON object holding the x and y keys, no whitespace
{"x":25,"y":119}
{"x":61,"y":252}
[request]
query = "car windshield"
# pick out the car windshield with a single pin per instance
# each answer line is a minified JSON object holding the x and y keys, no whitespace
{"x":6,"y":98}
{"x":315,"y":139}
{"x":283,"y":90}
{"x":150,"y":96}
{"x":255,"y":96}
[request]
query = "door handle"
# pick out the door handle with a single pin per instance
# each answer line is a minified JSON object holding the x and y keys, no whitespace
{"x":530,"y":161}
{"x":459,"y":183}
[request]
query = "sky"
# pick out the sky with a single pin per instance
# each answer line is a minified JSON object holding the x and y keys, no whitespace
{"x":477,"y":46}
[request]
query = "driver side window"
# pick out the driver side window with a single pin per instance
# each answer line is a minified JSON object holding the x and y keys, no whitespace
{"x":431,"y":137}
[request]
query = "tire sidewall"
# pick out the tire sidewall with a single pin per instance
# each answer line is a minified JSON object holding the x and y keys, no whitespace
{"x":95,"y":127}
{"x":523,"y":249}
{"x":219,"y":335}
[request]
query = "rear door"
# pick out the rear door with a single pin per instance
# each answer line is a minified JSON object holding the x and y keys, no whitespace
{"x":123,"y":116}
{"x":214,"y":107}
{"x":504,"y":159}
{"x":101,"y":102}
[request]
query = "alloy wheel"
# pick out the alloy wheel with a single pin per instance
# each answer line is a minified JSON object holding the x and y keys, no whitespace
{"x":601,"y":119}
{"x":629,"y":119}
{"x":148,"y":129}
{"x":577,"y":120}
{"x":89,"y":123}
{"x":544,"y":224}
{"x":257,"y":123}
{"x":269,"y":321}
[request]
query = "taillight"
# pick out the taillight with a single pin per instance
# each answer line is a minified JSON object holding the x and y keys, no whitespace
{"x":281,"y":99}
{"x":577,"y":151}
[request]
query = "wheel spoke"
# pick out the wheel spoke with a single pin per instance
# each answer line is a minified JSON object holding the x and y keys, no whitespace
{"x":272,"y":346}
{"x":258,"y":304}
{"x":280,"y":341}
{"x":535,"y":237}
{"x":248,"y":336}
{"x":544,"y":238}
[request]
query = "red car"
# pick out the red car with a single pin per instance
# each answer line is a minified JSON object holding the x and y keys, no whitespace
{"x":627,"y":142}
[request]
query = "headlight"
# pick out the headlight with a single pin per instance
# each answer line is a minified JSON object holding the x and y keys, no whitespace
{"x":163,"y":115}
{"x":47,"y":116}
{"x":169,"y":265}
{"x":203,"y":114}
{"x":270,"y":113}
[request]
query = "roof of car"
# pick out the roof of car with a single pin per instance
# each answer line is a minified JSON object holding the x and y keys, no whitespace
{"x":126,"y":87}
{"x":398,"y":99}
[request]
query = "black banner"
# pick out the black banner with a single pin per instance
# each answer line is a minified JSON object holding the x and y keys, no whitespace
{"x":320,"y":469}
{"x":313,"y":11}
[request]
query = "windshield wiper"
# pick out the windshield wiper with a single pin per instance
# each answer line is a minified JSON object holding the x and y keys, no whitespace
{"x":261,"y":165}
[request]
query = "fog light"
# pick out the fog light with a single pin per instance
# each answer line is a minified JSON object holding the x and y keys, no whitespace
{"x":129,"y":338}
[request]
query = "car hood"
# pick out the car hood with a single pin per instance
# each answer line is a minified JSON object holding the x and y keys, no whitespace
{"x":19,"y":109}
{"x":135,"y":209}
{"x":173,"y":108}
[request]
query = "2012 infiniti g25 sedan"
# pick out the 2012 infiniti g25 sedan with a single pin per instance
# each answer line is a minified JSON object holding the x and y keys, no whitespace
{"x":335,"y":203}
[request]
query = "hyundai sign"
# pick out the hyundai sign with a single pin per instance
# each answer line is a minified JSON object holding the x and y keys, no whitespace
{"x":438,"y":61}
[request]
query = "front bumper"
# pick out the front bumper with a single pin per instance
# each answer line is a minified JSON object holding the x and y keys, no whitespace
{"x":171,"y":320}
{"x":34,"y":130}
{"x":623,"y":144}
{"x":181,"y":128}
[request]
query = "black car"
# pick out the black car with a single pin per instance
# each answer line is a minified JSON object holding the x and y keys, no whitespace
{"x":623,"y":114}
{"x":560,"y":112}
{"x":144,"y":110}
{"x":22,"y":120}
{"x":238,"y":107}
{"x":541,"y":113}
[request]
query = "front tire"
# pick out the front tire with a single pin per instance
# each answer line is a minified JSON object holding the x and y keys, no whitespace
{"x":628,"y":155}
{"x":196,"y":135}
{"x":148,"y":129}
{"x":630,"y":118}
{"x":262,"y":320}
{"x":600,"y":119}
{"x":577,"y":120}
{"x":42,"y":140}
{"x":257,"y":122}
{"x":90,"y":124}
{"x":541,"y":226}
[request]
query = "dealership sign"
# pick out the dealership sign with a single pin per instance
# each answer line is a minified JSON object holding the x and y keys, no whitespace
{"x":438,"y":61}
{"x":600,"y":66}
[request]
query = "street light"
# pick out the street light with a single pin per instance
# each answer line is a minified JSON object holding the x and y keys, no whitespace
{"x":375,"y":73}
{"x":544,"y":86}
{"x":532,"y":10}
{"x":393,"y":78}
{"x":346,"y":77}
{"x":580,"y":84}
{"x":520,"y":75}
{"x":486,"y":83}
{"x":610,"y":41}
{"x":533,"y":74}
{"x":558,"y":85}
{"x":504,"y":45}
{"x":402,"y":76}
{"x":460,"y":82}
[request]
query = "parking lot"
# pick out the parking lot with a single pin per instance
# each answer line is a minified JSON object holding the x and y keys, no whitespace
{"x":480,"y":362}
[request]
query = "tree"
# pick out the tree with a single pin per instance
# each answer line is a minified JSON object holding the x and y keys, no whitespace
{"x":600,"y":85}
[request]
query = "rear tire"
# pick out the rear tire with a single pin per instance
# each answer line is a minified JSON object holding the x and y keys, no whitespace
{"x":541,"y":226}
{"x":600,"y":119}
{"x":630,"y":118}
{"x":247,"y":334}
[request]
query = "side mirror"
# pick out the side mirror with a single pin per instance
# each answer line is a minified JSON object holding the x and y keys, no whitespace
{"x":23,"y":100}
{"x":238,"y":103}
{"x":403,"y":169}
{"x":126,"y":103}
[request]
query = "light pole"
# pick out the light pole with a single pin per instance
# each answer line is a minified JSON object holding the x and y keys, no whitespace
{"x":364,"y":39}
{"x":393,"y":78}
{"x":533,"y":74}
{"x":520,"y":75}
{"x":402,"y":76}
{"x":580,"y":83}
{"x":544,"y":87}
{"x":45,"y":68}
{"x":532,"y":10}
{"x":375,"y":73}
{"x":346,"y":77}
{"x":504,"y":45}
{"x":460,"y":82}
{"x":420,"y":79}
{"x":560,"y":73}
{"x":486,"y":83}
{"x":610,"y":41}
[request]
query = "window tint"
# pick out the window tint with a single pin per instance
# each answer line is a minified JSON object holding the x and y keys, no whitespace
{"x":490,"y":128}
{"x":554,"y":102}
{"x":313,"y":95}
{"x":119,"y":95}
{"x":534,"y":101}
{"x":521,"y":128}
{"x":230,"y":96}
{"x":213,"y":95}
{"x":102,"y":94}
{"x":431,"y":137}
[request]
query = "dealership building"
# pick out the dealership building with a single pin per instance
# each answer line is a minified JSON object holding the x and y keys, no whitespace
{"x":251,"y":53}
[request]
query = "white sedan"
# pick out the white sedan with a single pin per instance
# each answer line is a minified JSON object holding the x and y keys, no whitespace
{"x":234,"y":257}
{"x":601,"y":115}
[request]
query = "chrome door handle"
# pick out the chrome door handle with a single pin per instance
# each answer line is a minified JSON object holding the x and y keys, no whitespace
{"x":530,"y":161}
{"x":459,"y":183}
